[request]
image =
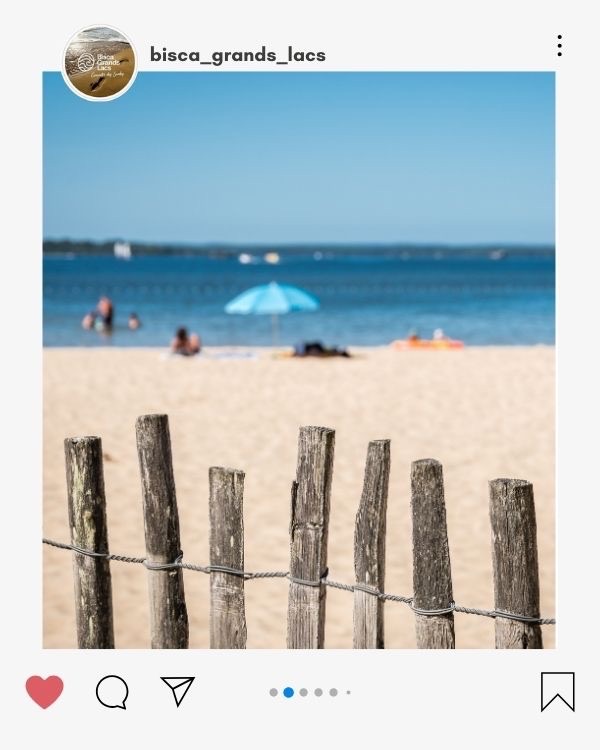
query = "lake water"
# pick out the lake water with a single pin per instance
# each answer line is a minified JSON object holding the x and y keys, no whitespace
{"x":365,"y":299}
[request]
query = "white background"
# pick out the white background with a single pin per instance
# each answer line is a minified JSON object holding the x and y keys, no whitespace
{"x":456,"y":699}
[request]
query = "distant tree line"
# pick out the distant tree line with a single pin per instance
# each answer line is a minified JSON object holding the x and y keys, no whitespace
{"x":83,"y":247}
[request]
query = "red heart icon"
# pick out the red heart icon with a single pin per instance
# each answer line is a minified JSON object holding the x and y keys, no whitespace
{"x":44,"y":692}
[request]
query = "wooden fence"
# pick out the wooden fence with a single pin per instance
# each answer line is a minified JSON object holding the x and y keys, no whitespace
{"x":514,"y":549}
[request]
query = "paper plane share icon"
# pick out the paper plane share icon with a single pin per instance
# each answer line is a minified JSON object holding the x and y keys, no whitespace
{"x":179,"y":687}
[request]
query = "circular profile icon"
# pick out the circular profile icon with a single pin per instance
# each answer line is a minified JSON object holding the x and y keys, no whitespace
{"x":99,"y":63}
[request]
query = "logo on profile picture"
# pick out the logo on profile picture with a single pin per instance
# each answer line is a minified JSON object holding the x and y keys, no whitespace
{"x":99,"y":63}
{"x":85,"y":62}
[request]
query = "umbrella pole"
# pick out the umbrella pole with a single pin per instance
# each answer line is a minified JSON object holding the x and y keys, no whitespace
{"x":274,"y":329}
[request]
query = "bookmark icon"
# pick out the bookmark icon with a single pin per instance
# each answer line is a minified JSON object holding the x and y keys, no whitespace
{"x":558,"y":685}
{"x":179,"y":687}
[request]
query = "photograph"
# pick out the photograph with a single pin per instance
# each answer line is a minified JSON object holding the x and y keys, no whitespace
{"x":298,"y":359}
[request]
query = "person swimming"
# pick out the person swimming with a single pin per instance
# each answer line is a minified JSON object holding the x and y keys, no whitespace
{"x":134,"y":322}
{"x":89,"y":320}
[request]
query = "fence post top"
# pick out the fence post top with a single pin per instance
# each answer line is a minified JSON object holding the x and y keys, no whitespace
{"x":425,"y":462}
{"x":152,"y":418}
{"x":314,"y":428}
{"x":226,"y":470}
{"x":82,"y":439}
{"x":509,"y":484}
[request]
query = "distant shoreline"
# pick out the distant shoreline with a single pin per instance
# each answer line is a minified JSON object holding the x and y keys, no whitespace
{"x":227,"y":250}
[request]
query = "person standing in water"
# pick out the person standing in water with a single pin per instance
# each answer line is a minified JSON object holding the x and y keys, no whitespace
{"x":101,"y":318}
{"x":106,"y":311}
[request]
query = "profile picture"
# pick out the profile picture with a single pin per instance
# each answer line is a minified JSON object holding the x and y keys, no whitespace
{"x":99,"y":63}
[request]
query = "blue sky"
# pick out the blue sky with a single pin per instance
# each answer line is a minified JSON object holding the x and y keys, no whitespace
{"x":304,"y":157}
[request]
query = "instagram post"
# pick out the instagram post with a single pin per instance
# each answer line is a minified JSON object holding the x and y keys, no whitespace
{"x":304,"y":339}
{"x":300,"y":382}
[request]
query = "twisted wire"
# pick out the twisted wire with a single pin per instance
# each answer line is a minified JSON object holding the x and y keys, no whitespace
{"x":178,"y":564}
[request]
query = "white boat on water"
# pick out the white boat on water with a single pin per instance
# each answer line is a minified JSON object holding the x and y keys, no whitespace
{"x":122,"y":250}
{"x":271,"y":257}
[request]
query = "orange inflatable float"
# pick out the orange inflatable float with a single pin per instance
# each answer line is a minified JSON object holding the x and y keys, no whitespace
{"x":402,"y":345}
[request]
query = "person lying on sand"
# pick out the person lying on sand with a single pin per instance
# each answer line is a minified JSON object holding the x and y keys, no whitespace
{"x":316,"y":349}
{"x":184,"y":343}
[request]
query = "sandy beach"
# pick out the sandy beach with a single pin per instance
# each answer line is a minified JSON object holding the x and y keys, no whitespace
{"x":483,"y":412}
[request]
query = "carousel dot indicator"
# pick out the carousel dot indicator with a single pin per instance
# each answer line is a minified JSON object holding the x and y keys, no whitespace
{"x":288,"y":692}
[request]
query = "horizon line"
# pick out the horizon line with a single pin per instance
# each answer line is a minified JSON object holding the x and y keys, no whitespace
{"x":310,"y":243}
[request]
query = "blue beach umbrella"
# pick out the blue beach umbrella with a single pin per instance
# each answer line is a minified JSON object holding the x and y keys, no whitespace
{"x":272,"y":299}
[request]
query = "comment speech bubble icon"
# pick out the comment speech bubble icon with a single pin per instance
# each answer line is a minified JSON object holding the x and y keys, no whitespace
{"x":112,"y":691}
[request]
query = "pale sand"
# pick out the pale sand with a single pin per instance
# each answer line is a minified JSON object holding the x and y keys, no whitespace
{"x":483,"y":412}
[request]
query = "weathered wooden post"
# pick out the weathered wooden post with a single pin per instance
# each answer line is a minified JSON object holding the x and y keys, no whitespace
{"x":308,"y":531}
{"x":168,"y":613}
{"x":369,"y":548}
{"x":87,"y":519}
{"x":227,"y":606}
{"x":514,"y":551}
{"x":432,"y":580}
